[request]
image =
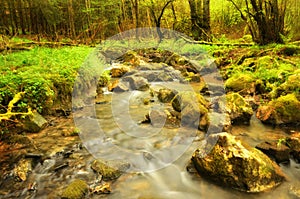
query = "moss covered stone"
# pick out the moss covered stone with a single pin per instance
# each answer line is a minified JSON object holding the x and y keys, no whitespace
{"x":130,"y":58}
{"x":76,"y":190}
{"x":183,"y":99}
{"x":238,"y":109}
{"x":292,"y":85}
{"x":193,"y":108}
{"x":243,"y":83}
{"x":165,"y":95}
{"x":283,"y":110}
{"x":231,"y":163}
{"x":109,"y":170}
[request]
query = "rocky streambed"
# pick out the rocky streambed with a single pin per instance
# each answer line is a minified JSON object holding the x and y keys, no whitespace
{"x":172,"y":118}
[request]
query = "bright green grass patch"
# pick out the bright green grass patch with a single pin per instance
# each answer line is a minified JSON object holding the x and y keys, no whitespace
{"x":45,"y":74}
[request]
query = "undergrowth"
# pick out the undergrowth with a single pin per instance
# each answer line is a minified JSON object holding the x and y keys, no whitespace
{"x":46,"y":75}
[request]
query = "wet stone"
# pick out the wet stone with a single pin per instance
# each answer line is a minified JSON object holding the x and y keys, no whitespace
{"x":157,"y":118}
{"x":121,"y":87}
{"x":294,"y":143}
{"x":276,"y":150}
{"x":137,"y":83}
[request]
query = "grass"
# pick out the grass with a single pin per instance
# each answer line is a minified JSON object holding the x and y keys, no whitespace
{"x":45,"y":74}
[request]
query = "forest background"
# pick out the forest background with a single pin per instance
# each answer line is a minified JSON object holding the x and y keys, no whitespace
{"x":90,"y":21}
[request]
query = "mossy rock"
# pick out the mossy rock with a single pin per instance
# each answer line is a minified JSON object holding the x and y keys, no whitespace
{"x":243,"y":83}
{"x":130,"y":58}
{"x":193,"y":107}
{"x":76,"y":190}
{"x":183,"y":99}
{"x":103,"y":79}
{"x":228,"y":162}
{"x":265,"y":62}
{"x":283,"y":110}
{"x":165,"y":95}
{"x":34,"y":123}
{"x":292,"y":85}
{"x":109,"y":170}
{"x":119,"y":71}
{"x":238,"y":109}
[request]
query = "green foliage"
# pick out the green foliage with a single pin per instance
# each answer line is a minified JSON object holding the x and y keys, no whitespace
{"x":45,"y":75}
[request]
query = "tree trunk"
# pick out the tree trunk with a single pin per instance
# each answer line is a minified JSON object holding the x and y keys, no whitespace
{"x":264,"y":19}
{"x":200,"y":19}
{"x":174,"y":15}
{"x":72,"y":31}
{"x":137,"y":21}
{"x":12,"y":17}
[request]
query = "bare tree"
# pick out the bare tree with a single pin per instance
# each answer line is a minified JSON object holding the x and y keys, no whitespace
{"x":157,"y":19}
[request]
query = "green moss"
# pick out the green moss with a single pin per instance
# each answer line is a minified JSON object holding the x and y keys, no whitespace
{"x":76,"y":190}
{"x":292,"y":85}
{"x":283,"y":110}
{"x":239,"y":110}
{"x":236,"y":102}
{"x":46,"y":75}
{"x":104,"y":79}
{"x":108,"y":172}
{"x":287,"y":108}
{"x":265,"y":62}
{"x":241,"y":82}
{"x":185,"y":98}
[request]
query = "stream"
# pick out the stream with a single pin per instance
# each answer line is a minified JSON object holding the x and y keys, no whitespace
{"x":158,"y":155}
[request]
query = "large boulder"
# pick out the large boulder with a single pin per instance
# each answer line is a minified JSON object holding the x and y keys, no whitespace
{"x":233,"y":164}
{"x":238,"y":109}
{"x":283,"y":110}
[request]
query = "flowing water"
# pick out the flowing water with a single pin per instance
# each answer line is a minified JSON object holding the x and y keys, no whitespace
{"x":158,"y":155}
